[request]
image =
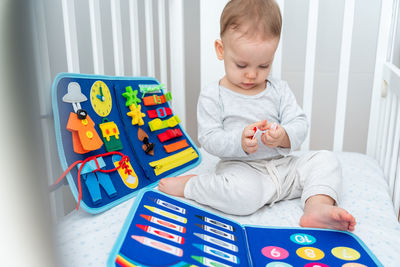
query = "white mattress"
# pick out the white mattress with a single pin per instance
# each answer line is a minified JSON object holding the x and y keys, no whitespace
{"x":83,"y":239}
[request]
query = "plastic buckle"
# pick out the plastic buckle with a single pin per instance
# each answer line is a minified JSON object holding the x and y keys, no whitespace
{"x":157,"y":99}
{"x":161,"y":110}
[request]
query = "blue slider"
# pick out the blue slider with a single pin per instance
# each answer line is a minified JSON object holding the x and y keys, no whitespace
{"x":217,"y":253}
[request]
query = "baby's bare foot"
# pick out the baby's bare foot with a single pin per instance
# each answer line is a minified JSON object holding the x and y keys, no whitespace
{"x":322,"y":215}
{"x":174,"y":186}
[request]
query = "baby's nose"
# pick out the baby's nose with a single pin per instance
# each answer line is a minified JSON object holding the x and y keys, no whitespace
{"x":251,"y":74}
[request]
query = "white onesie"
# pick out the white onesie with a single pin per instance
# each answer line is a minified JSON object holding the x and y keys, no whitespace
{"x":245,"y":182}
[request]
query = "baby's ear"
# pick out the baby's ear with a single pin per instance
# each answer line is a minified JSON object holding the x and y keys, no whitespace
{"x":219,"y":49}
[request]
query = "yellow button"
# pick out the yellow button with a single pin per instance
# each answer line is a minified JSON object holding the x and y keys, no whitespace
{"x":345,"y":253}
{"x":155,"y":124}
{"x":89,"y":134}
{"x":84,"y":122}
{"x":310,"y":253}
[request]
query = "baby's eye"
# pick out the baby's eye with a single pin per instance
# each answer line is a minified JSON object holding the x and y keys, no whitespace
{"x":240,"y":66}
{"x":264,"y":66}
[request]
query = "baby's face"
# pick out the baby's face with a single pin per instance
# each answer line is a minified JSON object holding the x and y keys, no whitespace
{"x":247,"y":60}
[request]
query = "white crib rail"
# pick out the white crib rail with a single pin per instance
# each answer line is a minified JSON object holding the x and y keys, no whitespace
{"x":309,"y":71}
{"x":388,"y":135}
{"x":384,"y":127}
{"x":96,"y":34}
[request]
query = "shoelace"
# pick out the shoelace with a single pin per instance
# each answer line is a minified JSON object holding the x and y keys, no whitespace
{"x":125,"y":166}
{"x":122,"y":162}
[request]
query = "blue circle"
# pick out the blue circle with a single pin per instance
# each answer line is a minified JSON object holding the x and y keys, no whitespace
{"x":278,"y":264}
{"x":302,"y":239}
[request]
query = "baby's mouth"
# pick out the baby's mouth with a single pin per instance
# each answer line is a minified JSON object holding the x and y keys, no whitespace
{"x":247,"y":85}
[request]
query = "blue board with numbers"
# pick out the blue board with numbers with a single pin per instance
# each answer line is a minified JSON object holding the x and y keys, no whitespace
{"x":164,"y":231}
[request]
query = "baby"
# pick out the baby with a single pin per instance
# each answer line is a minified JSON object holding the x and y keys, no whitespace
{"x":257,"y":169}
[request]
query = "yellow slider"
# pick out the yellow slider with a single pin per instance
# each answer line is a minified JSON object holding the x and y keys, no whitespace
{"x":166,"y":214}
{"x":170,"y":162}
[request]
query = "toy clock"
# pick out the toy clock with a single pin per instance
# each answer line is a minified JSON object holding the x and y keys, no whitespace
{"x":100,"y":98}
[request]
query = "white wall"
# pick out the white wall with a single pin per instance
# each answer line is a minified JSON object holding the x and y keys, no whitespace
{"x":211,"y":68}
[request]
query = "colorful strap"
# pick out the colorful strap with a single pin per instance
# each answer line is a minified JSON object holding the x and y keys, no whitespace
{"x":156,"y":99}
{"x":158,"y":124}
{"x":176,"y":146}
{"x":161,"y":112}
{"x":169,"y":134}
{"x":123,"y":158}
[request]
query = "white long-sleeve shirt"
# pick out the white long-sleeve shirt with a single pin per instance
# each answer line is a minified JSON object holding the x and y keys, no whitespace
{"x":222,"y":115}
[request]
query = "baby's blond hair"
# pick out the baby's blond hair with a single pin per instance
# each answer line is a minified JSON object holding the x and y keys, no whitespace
{"x":258,"y":16}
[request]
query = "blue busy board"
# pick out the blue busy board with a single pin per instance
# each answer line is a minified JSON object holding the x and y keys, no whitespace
{"x":164,"y":231}
{"x":117,"y":135}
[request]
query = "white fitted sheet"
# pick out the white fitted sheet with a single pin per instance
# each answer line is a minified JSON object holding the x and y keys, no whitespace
{"x":83,"y":239}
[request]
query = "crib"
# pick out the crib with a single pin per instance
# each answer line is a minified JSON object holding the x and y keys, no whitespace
{"x":341,"y":59}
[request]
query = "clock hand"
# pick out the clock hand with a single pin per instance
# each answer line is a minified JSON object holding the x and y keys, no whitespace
{"x":101,"y":93}
{"x":101,"y":96}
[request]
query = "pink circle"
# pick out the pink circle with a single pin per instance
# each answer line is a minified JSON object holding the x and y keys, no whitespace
{"x":275,"y":253}
{"x":315,"y":264}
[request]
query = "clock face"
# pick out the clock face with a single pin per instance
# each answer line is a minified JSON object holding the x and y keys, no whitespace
{"x":100,"y":98}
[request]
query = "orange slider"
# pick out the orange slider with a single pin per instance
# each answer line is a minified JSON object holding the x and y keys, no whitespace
{"x":176,"y":146}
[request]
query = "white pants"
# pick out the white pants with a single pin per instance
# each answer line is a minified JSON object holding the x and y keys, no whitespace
{"x":241,"y":188}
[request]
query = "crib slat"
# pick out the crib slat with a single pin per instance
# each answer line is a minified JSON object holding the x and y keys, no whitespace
{"x":394,"y":30}
{"x":177,"y":58}
{"x":385,"y":129}
{"x":71,"y":40}
{"x":390,"y":145}
{"x":148,"y":10}
{"x":379,"y":124}
{"x":162,"y":41}
{"x":117,"y":37}
{"x":391,"y":74}
{"x":276,"y":70}
{"x":344,"y":69}
{"x":395,"y":190}
{"x":396,"y":145}
{"x":134,"y":32}
{"x":310,"y":64}
{"x":97,"y":43}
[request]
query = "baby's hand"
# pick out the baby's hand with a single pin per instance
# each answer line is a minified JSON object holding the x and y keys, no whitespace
{"x":275,"y":136}
{"x":249,"y":144}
